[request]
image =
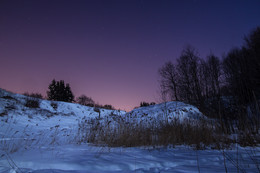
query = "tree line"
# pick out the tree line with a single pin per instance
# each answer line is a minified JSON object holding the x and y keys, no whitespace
{"x":234,"y":79}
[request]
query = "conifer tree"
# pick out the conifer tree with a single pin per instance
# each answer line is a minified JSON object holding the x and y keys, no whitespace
{"x":59,"y":92}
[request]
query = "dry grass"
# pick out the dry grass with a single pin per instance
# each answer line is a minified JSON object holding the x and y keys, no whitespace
{"x":122,"y":133}
{"x":32,"y":103}
{"x":54,"y":105}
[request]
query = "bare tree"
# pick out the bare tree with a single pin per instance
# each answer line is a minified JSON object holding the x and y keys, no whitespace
{"x":242,"y":69}
{"x":188,"y":70}
{"x":252,"y":48}
{"x":35,"y":95}
{"x":214,"y":73}
{"x":84,"y":100}
{"x":169,"y":80}
{"x":235,"y":68}
{"x":204,"y":75}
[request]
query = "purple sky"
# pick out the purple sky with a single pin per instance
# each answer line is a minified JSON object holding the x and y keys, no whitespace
{"x":111,"y":50}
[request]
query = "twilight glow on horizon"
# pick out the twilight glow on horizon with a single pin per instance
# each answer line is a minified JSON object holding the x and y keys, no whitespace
{"x":111,"y":50}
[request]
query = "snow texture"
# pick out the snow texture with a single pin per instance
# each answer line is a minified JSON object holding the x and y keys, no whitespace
{"x":44,"y":139}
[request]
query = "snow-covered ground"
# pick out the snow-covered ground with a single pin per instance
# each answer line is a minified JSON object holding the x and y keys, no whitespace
{"x":87,"y":158}
{"x":45,"y":139}
{"x":165,"y":112}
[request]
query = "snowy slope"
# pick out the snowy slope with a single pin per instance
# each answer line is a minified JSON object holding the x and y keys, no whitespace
{"x":18,"y":101}
{"x":166,"y":111}
{"x":19,"y":121}
{"x":45,"y":139}
{"x":16,"y":118}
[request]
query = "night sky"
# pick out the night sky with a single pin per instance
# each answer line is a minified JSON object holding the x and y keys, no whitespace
{"x":111,"y":50}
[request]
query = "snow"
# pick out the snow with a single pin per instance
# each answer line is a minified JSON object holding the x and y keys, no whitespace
{"x":167,"y":111}
{"x":41,"y":140}
{"x":87,"y":158}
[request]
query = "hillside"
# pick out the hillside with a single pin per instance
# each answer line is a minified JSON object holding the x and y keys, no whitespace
{"x":16,"y":104}
{"x":54,"y":137}
{"x":166,"y":111}
{"x":66,"y":119}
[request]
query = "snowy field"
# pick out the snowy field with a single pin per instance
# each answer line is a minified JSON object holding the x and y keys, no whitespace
{"x":87,"y":158}
{"x":46,"y":139}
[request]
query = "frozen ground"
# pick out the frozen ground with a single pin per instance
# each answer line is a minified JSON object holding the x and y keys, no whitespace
{"x":86,"y":158}
{"x":45,"y":139}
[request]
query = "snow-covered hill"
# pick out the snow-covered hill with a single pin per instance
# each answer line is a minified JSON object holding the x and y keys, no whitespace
{"x":11,"y":103}
{"x":15,"y":104}
{"x":53,"y":118}
{"x":166,"y":111}
{"x":46,"y":139}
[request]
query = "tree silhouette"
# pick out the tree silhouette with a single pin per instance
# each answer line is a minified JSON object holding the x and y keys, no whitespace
{"x":242,"y":69}
{"x":59,"y":92}
{"x":85,"y":100}
{"x":169,"y":80}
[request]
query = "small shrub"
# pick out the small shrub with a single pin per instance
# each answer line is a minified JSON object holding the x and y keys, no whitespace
{"x":90,"y":105}
{"x":8,"y":97}
{"x":10,"y":107}
{"x":34,"y":95}
{"x":108,"y":107}
{"x":3,"y":114}
{"x":50,"y":114}
{"x":144,"y":104}
{"x":152,"y":103}
{"x":85,"y":100}
{"x":96,"y":109}
{"x":32,"y":103}
{"x":248,"y":139}
{"x":54,"y":105}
